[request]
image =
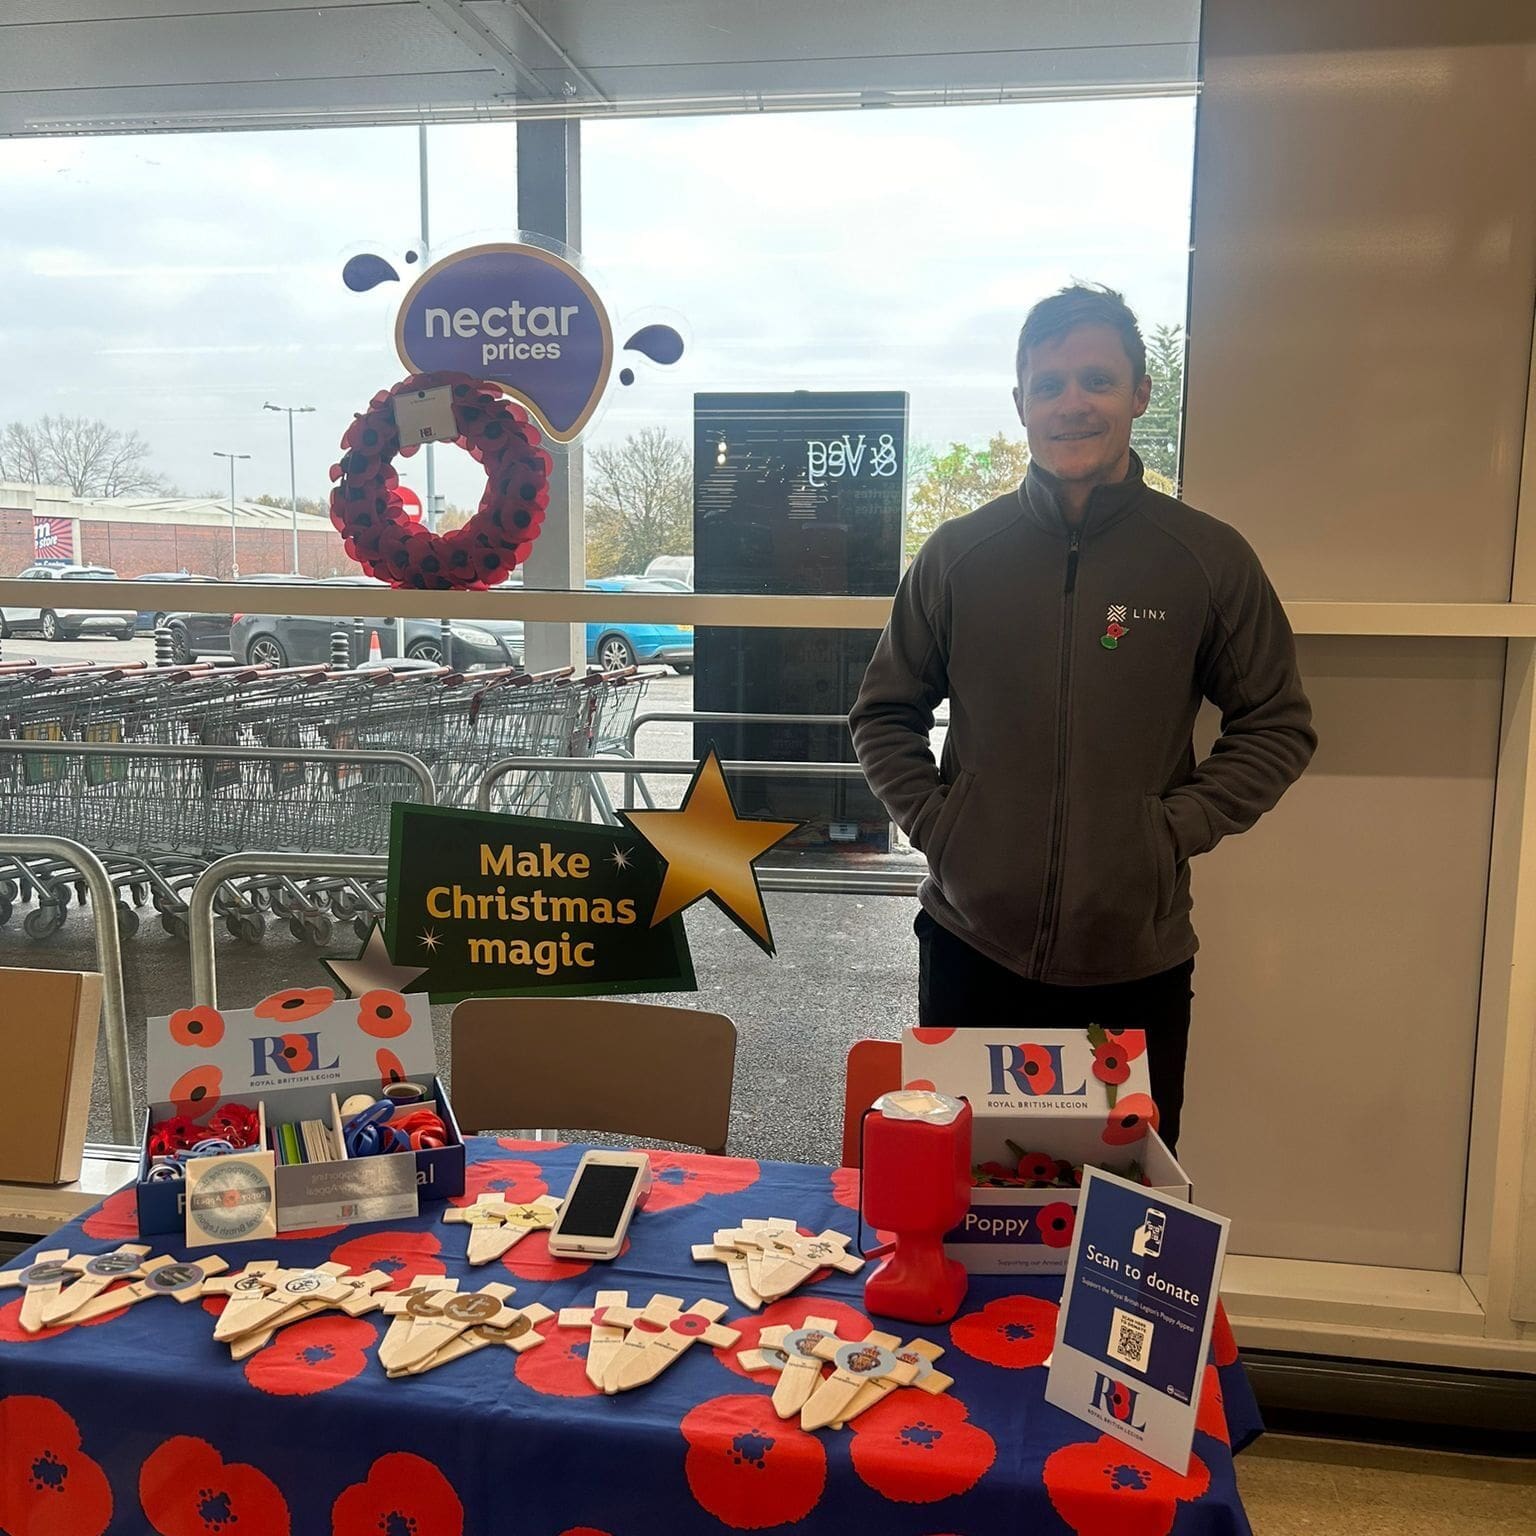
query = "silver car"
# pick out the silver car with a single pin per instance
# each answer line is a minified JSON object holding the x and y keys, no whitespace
{"x":63,"y":607}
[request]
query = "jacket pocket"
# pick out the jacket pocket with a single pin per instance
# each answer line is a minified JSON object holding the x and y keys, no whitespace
{"x":944,"y":826}
{"x":1163,"y":860}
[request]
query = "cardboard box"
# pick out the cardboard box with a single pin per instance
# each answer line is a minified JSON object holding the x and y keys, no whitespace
{"x":48,"y":1022}
{"x":1037,"y":1088}
{"x":286,"y":1059}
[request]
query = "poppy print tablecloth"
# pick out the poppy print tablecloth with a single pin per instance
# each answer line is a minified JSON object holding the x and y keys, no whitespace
{"x":141,"y":1423}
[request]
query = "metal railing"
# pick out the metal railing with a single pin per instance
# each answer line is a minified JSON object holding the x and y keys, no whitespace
{"x":109,"y":960}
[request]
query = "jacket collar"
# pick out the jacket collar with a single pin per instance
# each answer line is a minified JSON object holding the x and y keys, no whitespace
{"x":1107,"y":504}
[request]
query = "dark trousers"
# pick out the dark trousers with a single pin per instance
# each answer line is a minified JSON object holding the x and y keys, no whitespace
{"x":958,"y":986}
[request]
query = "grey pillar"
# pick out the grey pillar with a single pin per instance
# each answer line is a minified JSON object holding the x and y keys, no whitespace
{"x":549,"y":203}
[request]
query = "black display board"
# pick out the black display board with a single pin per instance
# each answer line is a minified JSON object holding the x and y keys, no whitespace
{"x":795,"y":494}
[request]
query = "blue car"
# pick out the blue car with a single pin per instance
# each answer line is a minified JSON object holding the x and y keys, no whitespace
{"x":612,"y":646}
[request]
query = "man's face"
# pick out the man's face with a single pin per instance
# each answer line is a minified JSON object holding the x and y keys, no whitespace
{"x":1077,"y":400}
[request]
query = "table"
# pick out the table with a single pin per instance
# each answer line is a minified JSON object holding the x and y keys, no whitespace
{"x":140,"y":1422}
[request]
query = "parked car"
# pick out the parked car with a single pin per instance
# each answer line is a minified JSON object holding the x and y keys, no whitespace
{"x":678,"y":567}
{"x":195,"y":635}
{"x":150,"y":619}
{"x":612,"y":646}
{"x":281,"y":641}
{"x":63,"y":609}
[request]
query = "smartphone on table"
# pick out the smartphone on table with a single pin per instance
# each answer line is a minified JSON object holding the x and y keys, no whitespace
{"x":597,"y":1208}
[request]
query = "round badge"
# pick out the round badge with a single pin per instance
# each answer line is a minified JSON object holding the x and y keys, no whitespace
{"x":471,"y":1307}
{"x":173,"y":1277}
{"x":107,"y":1266}
{"x":922,"y":1362}
{"x":51,"y":1272}
{"x":232,"y":1201}
{"x":690,"y":1324}
{"x":424,"y":1304}
{"x":310,"y":1281}
{"x":865,"y":1360}
{"x":803,"y":1342}
{"x":249,"y":1283}
{"x":499,"y":1335}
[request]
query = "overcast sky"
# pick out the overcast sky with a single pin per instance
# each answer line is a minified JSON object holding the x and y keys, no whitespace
{"x":172,"y":284}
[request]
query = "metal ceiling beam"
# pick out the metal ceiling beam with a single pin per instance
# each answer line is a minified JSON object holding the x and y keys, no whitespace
{"x":588,"y":84}
{"x":484,"y":44}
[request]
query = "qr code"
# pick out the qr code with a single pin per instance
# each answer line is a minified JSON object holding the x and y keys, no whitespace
{"x":1130,"y":1340}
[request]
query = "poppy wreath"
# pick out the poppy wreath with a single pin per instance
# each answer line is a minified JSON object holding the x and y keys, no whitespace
{"x":367,"y":511}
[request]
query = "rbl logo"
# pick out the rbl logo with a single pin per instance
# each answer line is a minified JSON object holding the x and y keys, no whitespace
{"x":1117,"y":1400}
{"x":1032,"y":1069}
{"x":287,"y":1054}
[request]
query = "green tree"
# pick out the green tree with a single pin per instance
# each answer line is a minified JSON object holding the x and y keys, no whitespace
{"x":639,"y":502}
{"x":945,"y":485}
{"x":1156,"y":434}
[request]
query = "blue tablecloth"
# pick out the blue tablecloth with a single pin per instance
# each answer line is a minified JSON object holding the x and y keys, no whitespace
{"x":141,"y":1422}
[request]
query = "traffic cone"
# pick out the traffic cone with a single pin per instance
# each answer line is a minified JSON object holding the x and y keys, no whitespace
{"x":374,"y":652}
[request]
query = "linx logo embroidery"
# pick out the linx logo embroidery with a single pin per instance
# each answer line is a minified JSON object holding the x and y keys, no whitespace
{"x":1110,"y":639}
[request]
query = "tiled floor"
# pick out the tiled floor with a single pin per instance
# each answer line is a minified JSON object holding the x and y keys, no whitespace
{"x":1298,"y":1487}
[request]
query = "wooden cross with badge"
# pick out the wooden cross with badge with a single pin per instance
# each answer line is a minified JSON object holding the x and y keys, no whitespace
{"x":496,"y":1224}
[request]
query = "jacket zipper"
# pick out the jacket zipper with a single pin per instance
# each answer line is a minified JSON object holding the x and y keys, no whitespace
{"x":1059,"y":808}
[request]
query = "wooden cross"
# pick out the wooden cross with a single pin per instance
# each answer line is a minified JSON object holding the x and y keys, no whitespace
{"x":608,"y":1318}
{"x":395,"y":1305}
{"x":738,"y":1257}
{"x":95,"y":1275}
{"x":42,"y":1280}
{"x":441,"y":1317}
{"x":496,"y":1224}
{"x":360,"y":1296}
{"x":791,"y":1352}
{"x":791,"y":1260}
{"x":854,"y":1365}
{"x":919,"y":1353}
{"x":164,"y":1276}
{"x":661,"y":1332}
{"x":264,"y":1306}
{"x":751,"y":1239}
{"x":517,"y":1335}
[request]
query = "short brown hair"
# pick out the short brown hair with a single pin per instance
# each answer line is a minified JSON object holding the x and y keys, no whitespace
{"x":1083,"y":304}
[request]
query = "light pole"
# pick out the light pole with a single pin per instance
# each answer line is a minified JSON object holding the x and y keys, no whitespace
{"x":234,"y":552}
{"x":293,"y":479}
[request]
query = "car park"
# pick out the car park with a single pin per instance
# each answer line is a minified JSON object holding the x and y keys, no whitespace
{"x":63,"y":609}
{"x":613,"y":646}
{"x":150,"y":619}
{"x":200,"y":635}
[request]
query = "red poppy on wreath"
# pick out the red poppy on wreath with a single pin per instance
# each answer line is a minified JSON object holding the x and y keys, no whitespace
{"x":1223,"y":1344}
{"x":1211,"y":1415}
{"x":1015,"y":1332}
{"x":11,"y":1331}
{"x":1035,"y":1064}
{"x":383,"y":1014}
{"x":1038,"y":1168}
{"x":201,"y":1025}
{"x":312,"y":1356}
{"x":1110,"y":1064}
{"x":1104,"y":1488}
{"x":515,"y":1177}
{"x":197,"y":1090}
{"x":1132,"y":1041}
{"x":749,"y":1468}
{"x":295,"y":1003}
{"x":116,"y":1217}
{"x":791,"y":1312}
{"x":1056,"y":1222}
{"x":187,"y":1489}
{"x":917,"y":1449}
{"x":48,"y":1485}
{"x":403,"y":1493}
{"x":401,"y":1255}
{"x":680,"y":1178}
{"x":1130,"y":1120}
{"x":558,"y":1367}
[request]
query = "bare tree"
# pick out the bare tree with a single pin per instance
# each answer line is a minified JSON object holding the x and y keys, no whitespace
{"x":639,"y":502}
{"x":86,"y":455}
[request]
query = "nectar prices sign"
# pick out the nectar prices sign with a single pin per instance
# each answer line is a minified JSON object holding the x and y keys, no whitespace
{"x":517,"y":316}
{"x":505,"y":906}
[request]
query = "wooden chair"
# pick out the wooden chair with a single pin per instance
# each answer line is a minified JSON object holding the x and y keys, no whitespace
{"x":874,"y":1067}
{"x":634,"y":1069}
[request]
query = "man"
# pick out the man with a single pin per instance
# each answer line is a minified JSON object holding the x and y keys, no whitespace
{"x":1074,"y":625}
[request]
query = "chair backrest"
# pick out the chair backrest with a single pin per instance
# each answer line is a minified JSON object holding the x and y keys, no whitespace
{"x":633,"y":1069}
{"x":874,"y":1067}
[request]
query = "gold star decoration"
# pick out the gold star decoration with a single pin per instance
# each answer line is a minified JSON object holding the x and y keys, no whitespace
{"x":708,"y":850}
{"x":372,"y":969}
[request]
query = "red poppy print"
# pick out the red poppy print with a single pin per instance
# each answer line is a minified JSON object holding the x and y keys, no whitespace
{"x":1133,"y":1042}
{"x":515,"y":1177}
{"x":791,"y":1312}
{"x":401,"y":1255}
{"x":383,"y":1014}
{"x":532,"y":1260}
{"x":919,"y":1082}
{"x":931,"y":1036}
{"x":11,"y":1331}
{"x":312,"y":1356}
{"x":1130,"y":1120}
{"x":1110,"y":1064}
{"x":390,"y":1068}
{"x":917,"y":1449}
{"x":116,"y":1217}
{"x":298,"y":1055}
{"x":1104,"y":1488}
{"x":1055,"y":1222}
{"x":1035,"y":1064}
{"x":680,"y":1178}
{"x":1015,"y":1332}
{"x":749,"y":1468}
{"x":527,"y":1144}
{"x":48,"y":1485}
{"x":187,"y":1489}
{"x":1223,"y":1344}
{"x":403,"y":1493}
{"x":583,"y":1530}
{"x":845,"y":1187}
{"x":558,"y":1367}
{"x":295,"y":1003}
{"x":195,"y":1091}
{"x":201,"y":1025}
{"x":1211,"y":1415}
